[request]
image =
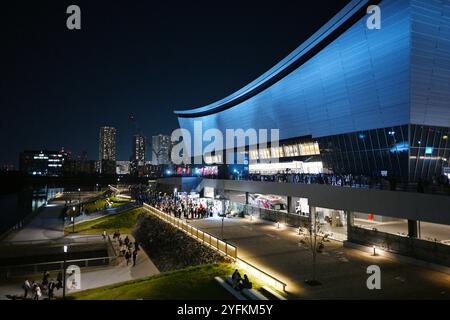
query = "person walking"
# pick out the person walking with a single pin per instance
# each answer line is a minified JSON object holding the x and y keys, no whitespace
{"x":50,"y":289}
{"x":59,"y":280}
{"x":26,"y":287}
{"x":45,"y":278}
{"x":127,"y":257}
{"x":37,"y":292}
{"x":134,"y":257}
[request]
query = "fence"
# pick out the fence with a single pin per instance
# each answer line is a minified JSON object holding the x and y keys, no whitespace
{"x":202,"y":236}
{"x":27,"y":269}
{"x":219,"y":245}
{"x":59,"y":241}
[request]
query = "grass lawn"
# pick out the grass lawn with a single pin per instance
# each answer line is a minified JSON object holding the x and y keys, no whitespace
{"x":115,"y":199}
{"x":186,"y":284}
{"x":95,"y":206}
{"x":124,"y":222}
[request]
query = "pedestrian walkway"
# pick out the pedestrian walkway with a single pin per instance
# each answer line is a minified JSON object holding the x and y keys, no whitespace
{"x":47,"y":225}
{"x":92,"y":277}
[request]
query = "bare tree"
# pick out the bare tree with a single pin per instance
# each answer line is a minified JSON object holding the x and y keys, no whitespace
{"x":314,"y":243}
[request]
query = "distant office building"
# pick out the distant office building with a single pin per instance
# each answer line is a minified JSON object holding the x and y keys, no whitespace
{"x":161,"y":148}
{"x":78,"y":166}
{"x":7,"y":167}
{"x":107,"y":150}
{"x":122,"y":167}
{"x":42,"y":163}
{"x":151,"y":170}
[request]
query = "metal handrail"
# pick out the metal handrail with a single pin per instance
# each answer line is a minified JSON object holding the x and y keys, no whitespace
{"x":193,"y":231}
{"x":56,"y":262}
{"x":264,"y":276}
{"x":210,"y":239}
{"x":62,"y":240}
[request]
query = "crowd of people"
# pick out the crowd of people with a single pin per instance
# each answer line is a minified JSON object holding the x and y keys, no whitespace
{"x":435,"y":185}
{"x":307,"y":178}
{"x":128,"y":249}
{"x":36,"y":290}
{"x":181,"y":207}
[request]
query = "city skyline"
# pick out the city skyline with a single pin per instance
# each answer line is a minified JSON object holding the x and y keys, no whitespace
{"x":150,"y":73}
{"x":306,"y":164}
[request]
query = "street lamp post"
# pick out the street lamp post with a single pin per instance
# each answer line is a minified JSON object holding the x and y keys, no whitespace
{"x":64,"y":272}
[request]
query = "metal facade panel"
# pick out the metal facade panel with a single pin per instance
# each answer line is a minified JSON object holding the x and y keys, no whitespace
{"x":361,"y":81}
{"x":430,"y":62}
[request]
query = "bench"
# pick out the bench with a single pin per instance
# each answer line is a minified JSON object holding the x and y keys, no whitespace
{"x":230,"y":289}
{"x":251,"y":294}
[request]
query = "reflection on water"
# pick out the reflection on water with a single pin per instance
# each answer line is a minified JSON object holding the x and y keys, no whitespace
{"x":17,"y":206}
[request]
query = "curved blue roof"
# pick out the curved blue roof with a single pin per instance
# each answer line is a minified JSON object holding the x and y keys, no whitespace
{"x":303,"y":53}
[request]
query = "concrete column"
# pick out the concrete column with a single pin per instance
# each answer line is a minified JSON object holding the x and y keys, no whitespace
{"x":350,"y":224}
{"x":290,"y":205}
{"x":412,"y":228}
{"x":350,"y":219}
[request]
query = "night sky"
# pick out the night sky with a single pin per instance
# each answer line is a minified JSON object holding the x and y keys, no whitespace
{"x":140,"y":58}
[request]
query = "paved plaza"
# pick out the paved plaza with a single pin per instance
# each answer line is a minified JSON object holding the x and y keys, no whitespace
{"x":342,"y":271}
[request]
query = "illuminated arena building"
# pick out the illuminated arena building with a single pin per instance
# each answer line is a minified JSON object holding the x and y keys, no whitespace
{"x":353,"y":99}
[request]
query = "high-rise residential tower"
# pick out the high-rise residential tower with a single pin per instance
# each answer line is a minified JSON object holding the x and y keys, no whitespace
{"x":107,"y":149}
{"x":139,"y":149}
{"x":161,"y":148}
